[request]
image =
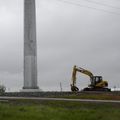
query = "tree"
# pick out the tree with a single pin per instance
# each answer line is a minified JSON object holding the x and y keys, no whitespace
{"x":2,"y":89}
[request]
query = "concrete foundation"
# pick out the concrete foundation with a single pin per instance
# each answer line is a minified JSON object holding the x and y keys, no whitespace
{"x":30,"y":90}
{"x":30,"y":48}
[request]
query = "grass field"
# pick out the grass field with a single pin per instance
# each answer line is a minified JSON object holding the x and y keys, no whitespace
{"x":58,"y":110}
{"x":103,"y":96}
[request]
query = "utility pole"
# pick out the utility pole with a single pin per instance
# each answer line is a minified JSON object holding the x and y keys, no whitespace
{"x":60,"y":86}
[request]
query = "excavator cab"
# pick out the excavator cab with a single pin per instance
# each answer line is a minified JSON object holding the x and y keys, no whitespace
{"x":98,"y":82}
{"x":96,"y":79}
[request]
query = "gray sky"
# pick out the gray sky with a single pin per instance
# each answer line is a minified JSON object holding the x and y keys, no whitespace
{"x":67,"y":34}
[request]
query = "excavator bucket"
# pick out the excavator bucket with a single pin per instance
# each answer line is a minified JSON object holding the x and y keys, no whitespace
{"x":74,"y":88}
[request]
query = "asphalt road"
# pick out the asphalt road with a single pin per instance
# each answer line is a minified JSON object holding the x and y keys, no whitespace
{"x":58,"y":99}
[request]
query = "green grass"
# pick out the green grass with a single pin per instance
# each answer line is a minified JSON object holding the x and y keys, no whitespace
{"x":58,"y":110}
{"x":104,"y":96}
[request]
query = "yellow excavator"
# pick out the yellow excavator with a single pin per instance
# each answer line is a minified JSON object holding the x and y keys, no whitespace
{"x":96,"y":82}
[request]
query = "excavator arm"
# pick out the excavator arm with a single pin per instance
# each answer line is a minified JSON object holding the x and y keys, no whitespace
{"x":74,"y":72}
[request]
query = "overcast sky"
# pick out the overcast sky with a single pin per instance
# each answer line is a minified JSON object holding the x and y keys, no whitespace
{"x":67,"y":34}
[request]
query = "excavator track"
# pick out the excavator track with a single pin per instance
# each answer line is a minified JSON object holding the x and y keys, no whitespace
{"x":97,"y":89}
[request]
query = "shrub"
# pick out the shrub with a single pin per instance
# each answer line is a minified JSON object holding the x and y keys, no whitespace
{"x":2,"y":89}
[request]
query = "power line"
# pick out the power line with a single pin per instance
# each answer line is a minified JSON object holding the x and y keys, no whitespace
{"x":103,"y":4}
{"x":89,"y":7}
